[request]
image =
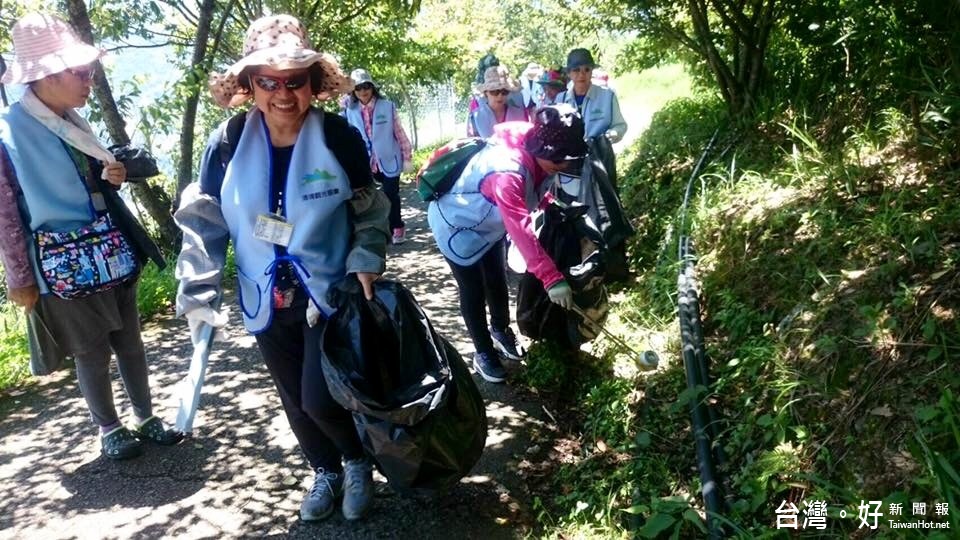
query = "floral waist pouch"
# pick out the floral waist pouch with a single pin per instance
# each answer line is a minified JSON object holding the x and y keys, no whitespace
{"x":87,"y":260}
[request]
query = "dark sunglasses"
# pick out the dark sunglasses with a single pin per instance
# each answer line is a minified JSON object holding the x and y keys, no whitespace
{"x":364,"y":86}
{"x":82,"y":74}
{"x":501,"y":92}
{"x":272,"y":84}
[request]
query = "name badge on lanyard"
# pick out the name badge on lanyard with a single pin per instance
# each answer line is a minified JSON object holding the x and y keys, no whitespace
{"x":273,"y":228}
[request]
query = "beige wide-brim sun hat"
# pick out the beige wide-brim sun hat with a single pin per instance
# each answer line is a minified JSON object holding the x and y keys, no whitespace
{"x":45,"y":45}
{"x":279,"y":42}
{"x":498,"y":78}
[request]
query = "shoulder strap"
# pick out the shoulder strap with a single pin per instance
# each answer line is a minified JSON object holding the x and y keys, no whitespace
{"x":230,"y":137}
{"x":340,"y":151}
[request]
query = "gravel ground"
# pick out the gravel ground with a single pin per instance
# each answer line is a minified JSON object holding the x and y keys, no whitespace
{"x":242,"y":473}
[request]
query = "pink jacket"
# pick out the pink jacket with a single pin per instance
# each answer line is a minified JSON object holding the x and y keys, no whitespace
{"x":508,"y":192}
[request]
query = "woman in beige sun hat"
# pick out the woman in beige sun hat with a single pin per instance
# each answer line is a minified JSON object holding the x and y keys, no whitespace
{"x":295,"y":196}
{"x":79,"y":301}
{"x":281,"y":43}
{"x":495,"y":106}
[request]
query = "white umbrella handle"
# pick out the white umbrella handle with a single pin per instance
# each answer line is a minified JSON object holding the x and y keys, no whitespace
{"x":191,"y":385}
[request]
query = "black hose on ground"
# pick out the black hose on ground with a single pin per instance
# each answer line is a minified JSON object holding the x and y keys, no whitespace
{"x":704,"y":419}
{"x":702,"y":416}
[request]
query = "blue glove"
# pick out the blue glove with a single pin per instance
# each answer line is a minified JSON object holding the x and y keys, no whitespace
{"x":561,"y":294}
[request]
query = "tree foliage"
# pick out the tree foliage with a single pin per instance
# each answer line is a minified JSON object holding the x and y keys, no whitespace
{"x":517,"y":31}
{"x":847,"y":56}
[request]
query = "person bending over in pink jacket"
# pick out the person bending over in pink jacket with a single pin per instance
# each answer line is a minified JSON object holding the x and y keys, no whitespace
{"x":493,"y":197}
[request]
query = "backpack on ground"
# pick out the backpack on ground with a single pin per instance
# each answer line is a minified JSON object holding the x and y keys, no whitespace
{"x":447,"y":163}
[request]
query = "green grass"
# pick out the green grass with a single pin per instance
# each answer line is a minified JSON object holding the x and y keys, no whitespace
{"x":830,"y":298}
{"x":156,"y":292}
{"x":641,"y":94}
{"x":14,"y":356}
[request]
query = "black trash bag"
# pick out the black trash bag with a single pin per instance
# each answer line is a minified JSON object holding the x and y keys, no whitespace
{"x":139,"y":162}
{"x":418,"y":411}
{"x":598,"y":191}
{"x":578,"y":250}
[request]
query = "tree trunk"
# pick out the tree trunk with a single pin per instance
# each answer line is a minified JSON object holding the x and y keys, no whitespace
{"x":729,"y":87}
{"x":3,"y":89}
{"x":196,"y":80}
{"x":412,"y":114}
{"x":153,"y":198}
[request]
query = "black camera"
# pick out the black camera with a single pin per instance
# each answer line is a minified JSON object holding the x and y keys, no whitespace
{"x":139,"y":162}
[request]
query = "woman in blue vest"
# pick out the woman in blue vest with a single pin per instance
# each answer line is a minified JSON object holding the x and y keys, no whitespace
{"x":390,"y":152}
{"x":494,"y":196}
{"x":495,"y":106}
{"x":296,"y":198}
{"x":55,"y":177}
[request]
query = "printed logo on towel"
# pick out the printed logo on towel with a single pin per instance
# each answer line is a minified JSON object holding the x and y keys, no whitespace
{"x":317,"y":176}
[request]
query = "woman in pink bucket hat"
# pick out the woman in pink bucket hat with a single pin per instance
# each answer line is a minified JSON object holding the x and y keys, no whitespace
{"x":290,"y":186}
{"x":80,"y":297}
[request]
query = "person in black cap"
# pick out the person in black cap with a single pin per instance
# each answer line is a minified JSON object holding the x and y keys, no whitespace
{"x":603,"y":125}
{"x":598,"y":106}
{"x":494,"y":196}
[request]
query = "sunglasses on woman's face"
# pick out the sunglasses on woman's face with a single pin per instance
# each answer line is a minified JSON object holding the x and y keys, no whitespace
{"x":501,"y":92}
{"x":272,"y":84}
{"x":364,"y":86}
{"x":84,"y":74}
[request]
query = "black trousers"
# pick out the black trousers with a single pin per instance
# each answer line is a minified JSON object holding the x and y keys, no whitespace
{"x":390,"y":186}
{"x":483,"y":285}
{"x":324,"y":429}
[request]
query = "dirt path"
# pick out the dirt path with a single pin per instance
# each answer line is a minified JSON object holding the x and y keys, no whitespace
{"x":232,"y":478}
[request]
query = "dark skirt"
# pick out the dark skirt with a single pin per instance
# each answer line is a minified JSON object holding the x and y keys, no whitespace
{"x":57,"y":328}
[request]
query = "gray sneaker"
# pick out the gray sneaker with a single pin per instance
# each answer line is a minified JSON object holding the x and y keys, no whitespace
{"x":318,"y":504}
{"x":357,"y":488}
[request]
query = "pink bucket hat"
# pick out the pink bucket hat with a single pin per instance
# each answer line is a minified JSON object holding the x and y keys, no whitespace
{"x":45,"y":45}
{"x":279,"y":42}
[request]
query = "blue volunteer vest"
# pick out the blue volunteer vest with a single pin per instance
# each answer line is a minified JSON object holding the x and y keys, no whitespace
{"x":314,"y":198}
{"x":55,"y":193}
{"x":597,"y":110}
{"x":483,"y":118}
{"x":466,"y":224}
{"x":383,"y":146}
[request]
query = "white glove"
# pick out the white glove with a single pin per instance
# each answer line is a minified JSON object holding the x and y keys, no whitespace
{"x":407,"y":166}
{"x":611,"y":135}
{"x":196,"y":318}
{"x":561,"y":294}
{"x":313,"y":314}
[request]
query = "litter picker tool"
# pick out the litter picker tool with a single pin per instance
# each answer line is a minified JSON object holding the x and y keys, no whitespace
{"x":647,"y":360}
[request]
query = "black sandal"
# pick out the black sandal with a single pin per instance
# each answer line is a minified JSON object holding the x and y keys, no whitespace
{"x":121,"y":444}
{"x":152,"y":430}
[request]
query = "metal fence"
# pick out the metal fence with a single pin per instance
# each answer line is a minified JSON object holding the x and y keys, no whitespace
{"x":440,"y":115}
